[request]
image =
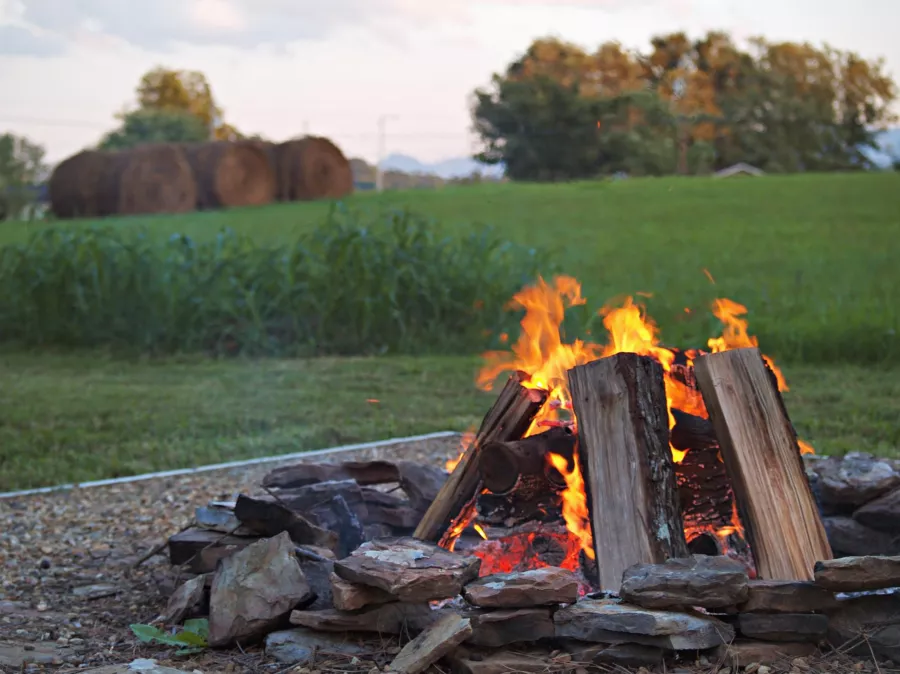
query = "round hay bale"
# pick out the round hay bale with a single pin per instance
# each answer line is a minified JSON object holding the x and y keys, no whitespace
{"x":238,"y":173}
{"x":76,"y":185}
{"x":150,"y":179}
{"x":312,"y":168}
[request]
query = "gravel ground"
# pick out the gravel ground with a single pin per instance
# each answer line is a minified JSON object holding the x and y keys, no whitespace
{"x":69,"y":588}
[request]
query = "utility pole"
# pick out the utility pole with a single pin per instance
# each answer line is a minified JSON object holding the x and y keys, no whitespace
{"x":379,"y":177}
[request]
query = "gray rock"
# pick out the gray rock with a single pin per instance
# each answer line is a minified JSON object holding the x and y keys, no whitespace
{"x":394,"y":618}
{"x":783,"y":626}
{"x":496,"y":628}
{"x":96,"y":591}
{"x":139,"y":666}
{"x":436,"y":641}
{"x":700,"y":580}
{"x":867,"y":622}
{"x":525,"y":589}
{"x":186,"y":600}
{"x":297,"y":646}
{"x":851,"y":537}
{"x":623,"y":655}
{"x":882,"y":514}
{"x":786,"y":596}
{"x":611,"y":622}
{"x":855,"y":479}
{"x":255,"y":590}
{"x":853,"y":574}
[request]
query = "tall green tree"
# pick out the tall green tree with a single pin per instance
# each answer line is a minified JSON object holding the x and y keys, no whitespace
{"x":155,"y":126}
{"x":22,"y":171}
{"x":179,"y":90}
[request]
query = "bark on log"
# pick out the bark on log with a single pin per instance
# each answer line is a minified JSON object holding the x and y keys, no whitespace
{"x":508,"y":419}
{"x":502,"y":463}
{"x":629,"y":475}
{"x":760,"y":451}
{"x":692,"y":432}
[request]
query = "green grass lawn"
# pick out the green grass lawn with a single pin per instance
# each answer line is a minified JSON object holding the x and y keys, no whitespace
{"x":815,"y":258}
{"x":87,"y":416}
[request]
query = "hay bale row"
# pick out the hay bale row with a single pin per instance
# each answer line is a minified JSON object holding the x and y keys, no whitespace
{"x":169,"y":178}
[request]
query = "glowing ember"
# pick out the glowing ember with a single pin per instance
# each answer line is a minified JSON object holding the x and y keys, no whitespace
{"x":524,"y":551}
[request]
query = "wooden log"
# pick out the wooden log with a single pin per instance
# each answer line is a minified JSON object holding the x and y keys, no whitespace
{"x":629,"y":475}
{"x":508,"y":419}
{"x":692,"y":432}
{"x":760,"y":451}
{"x":502,"y":463}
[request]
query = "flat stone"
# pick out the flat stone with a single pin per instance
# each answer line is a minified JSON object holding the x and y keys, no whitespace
{"x":503,"y":627}
{"x":143,"y":665}
{"x":299,"y":646}
{"x":622,"y":655}
{"x":852,"y":537}
{"x":855,"y":479}
{"x":611,"y":622}
{"x":349,"y":596}
{"x":882,"y":514}
{"x":186,"y":600}
{"x":783,"y":626}
{"x":700,"y":580}
{"x":743,"y":653}
{"x":318,"y":575}
{"x":96,"y":591}
{"x":464,"y":661}
{"x":409,"y":569}
{"x":786,"y":596}
{"x":853,"y":574}
{"x":433,"y":643}
{"x":867,"y":622}
{"x":394,"y":618}
{"x":537,"y":587}
{"x":255,"y":590}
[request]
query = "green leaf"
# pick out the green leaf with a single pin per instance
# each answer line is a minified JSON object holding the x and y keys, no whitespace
{"x":199,"y":626}
{"x":147,"y":633}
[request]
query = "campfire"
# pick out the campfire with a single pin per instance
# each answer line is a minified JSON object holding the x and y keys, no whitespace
{"x":623,"y":470}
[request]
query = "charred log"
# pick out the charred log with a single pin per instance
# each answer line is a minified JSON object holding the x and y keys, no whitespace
{"x":504,"y":463}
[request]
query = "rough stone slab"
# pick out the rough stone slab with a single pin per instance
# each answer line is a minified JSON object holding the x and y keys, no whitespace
{"x":318,"y":574}
{"x":743,"y":653}
{"x":853,"y":574}
{"x":394,"y":618}
{"x":882,"y":514}
{"x":611,"y":622}
{"x":622,"y":655}
{"x":787,"y":596}
{"x":138,"y":666}
{"x":267,"y":516}
{"x":410,"y":569}
{"x":537,"y":587}
{"x":186,"y":600}
{"x":464,"y":661}
{"x":298,"y":646}
{"x":853,"y":538}
{"x":502,"y":627}
{"x":433,"y":643}
{"x":254,"y":590}
{"x":877,"y":617}
{"x":783,"y":626}
{"x":200,"y":550}
{"x":349,"y":596}
{"x":699,"y":580}
{"x":855,"y":479}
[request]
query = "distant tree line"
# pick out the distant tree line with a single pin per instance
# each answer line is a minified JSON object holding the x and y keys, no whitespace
{"x":686,"y":106}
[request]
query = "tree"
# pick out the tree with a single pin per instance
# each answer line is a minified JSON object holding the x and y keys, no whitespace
{"x":22,"y":171}
{"x":155,"y":126}
{"x":179,"y":90}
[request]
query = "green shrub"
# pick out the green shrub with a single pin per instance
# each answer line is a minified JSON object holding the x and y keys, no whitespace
{"x":354,"y":285}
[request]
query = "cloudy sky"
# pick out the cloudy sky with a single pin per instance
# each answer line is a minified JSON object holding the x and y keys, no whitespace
{"x":333,"y":67}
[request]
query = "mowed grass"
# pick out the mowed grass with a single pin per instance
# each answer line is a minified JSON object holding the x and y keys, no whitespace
{"x":79,"y":417}
{"x":813,"y":257}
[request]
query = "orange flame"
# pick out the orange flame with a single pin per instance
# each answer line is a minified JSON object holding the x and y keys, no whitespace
{"x":541,"y":353}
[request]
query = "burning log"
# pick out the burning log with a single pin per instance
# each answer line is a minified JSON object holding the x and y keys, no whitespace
{"x":508,"y":419}
{"x":629,"y":475}
{"x":760,"y":451}
{"x":502,"y":463}
{"x":692,"y":432}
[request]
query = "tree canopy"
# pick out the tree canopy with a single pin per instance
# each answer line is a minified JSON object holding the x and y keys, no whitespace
{"x":687,"y":106}
{"x":172,"y":106}
{"x":22,"y":170}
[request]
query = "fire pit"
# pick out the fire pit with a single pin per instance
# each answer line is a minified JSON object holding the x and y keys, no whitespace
{"x":595,"y":476}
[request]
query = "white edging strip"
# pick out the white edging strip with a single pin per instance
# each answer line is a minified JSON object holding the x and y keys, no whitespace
{"x":230,"y":464}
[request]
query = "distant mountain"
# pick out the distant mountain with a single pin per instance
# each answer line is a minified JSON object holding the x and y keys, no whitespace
{"x":888,"y":149}
{"x":457,"y":167}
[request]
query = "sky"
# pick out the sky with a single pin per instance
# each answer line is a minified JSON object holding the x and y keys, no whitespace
{"x":283,"y":68}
